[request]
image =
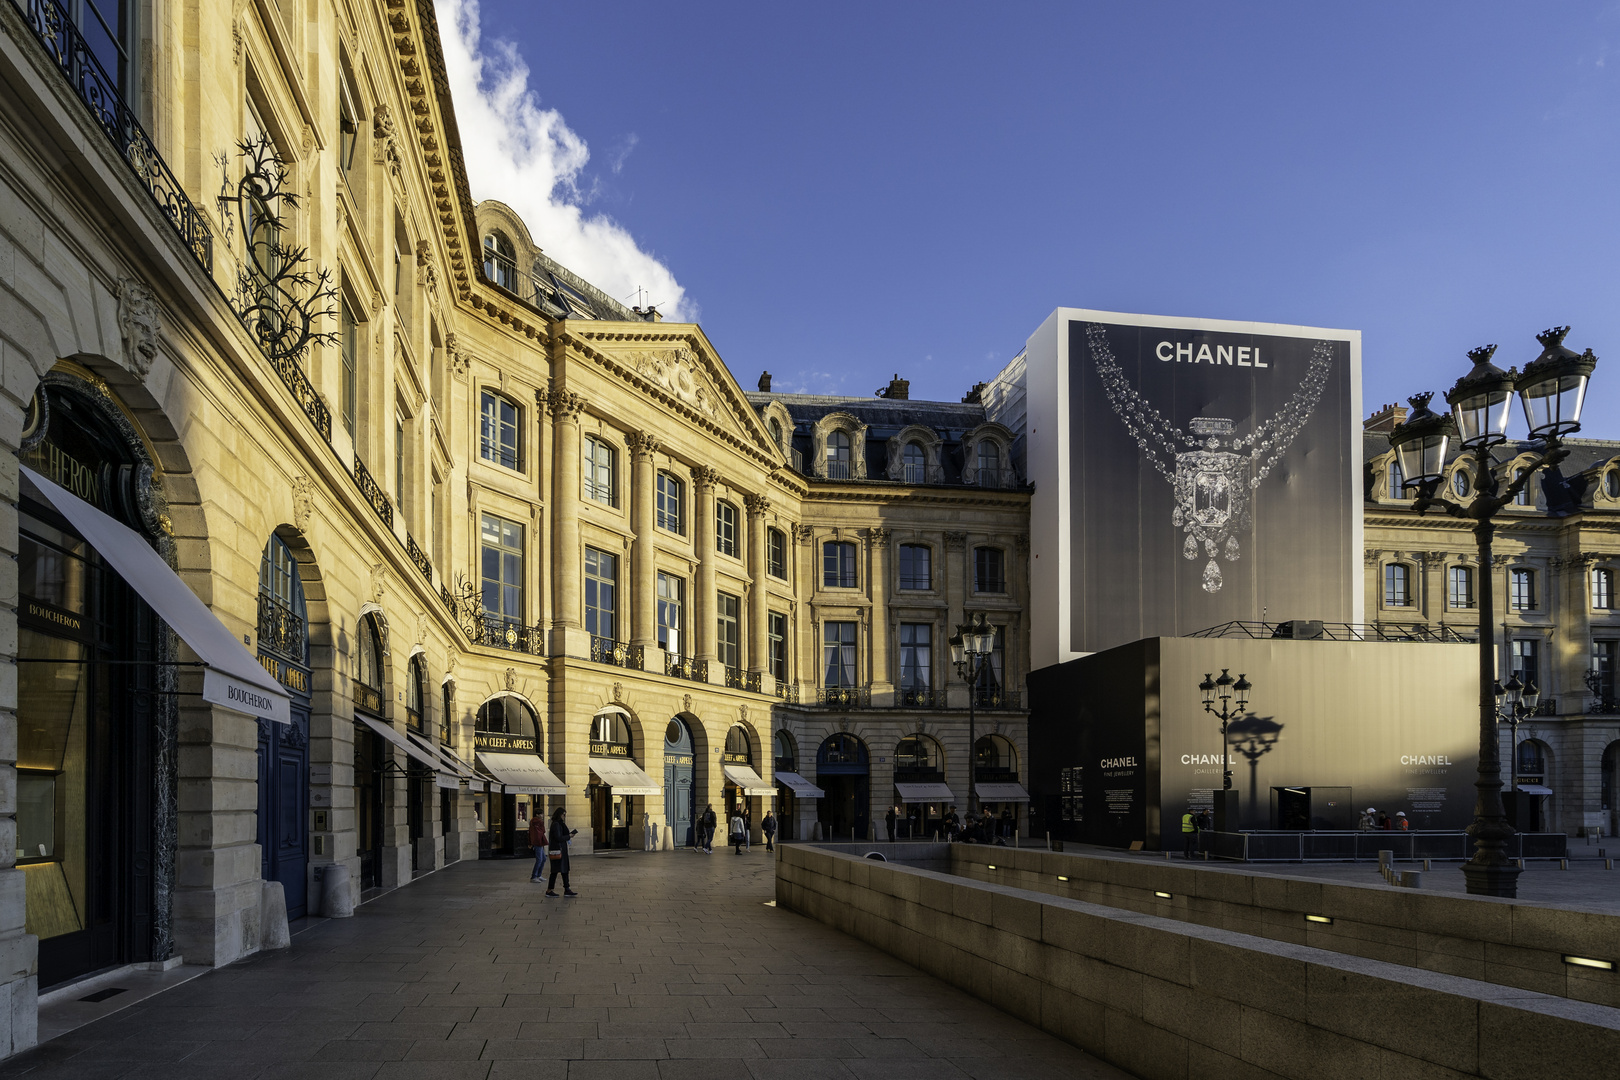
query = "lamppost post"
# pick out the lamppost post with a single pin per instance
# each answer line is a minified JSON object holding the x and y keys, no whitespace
{"x":1552,"y":391}
{"x":1226,"y":689}
{"x":975,"y":640}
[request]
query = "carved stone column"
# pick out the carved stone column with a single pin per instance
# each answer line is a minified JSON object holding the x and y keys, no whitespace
{"x":878,"y":578}
{"x":703,"y":480}
{"x":644,"y":571}
{"x":567,"y":632}
{"x":758,"y":600}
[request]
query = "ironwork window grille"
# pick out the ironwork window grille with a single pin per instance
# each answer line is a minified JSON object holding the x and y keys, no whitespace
{"x":838,"y":564}
{"x":839,"y":455}
{"x":671,"y":608}
{"x":1522,"y":590}
{"x":728,"y":609}
{"x":989,"y":570}
{"x":1397,"y":585}
{"x":1523,"y":497}
{"x":601,"y":594}
{"x":916,"y":656}
{"x":671,"y":495}
{"x":502,"y":570}
{"x":1526,"y":661}
{"x":913,"y":464}
{"x":776,"y":640}
{"x":1460,"y":586}
{"x":838,"y":654}
{"x":1602,"y":588}
{"x":500,"y":424}
{"x":349,"y":335}
{"x":283,"y":621}
{"x":600,"y":460}
{"x":776,"y":553}
{"x":725,"y":528}
{"x":916,"y":566}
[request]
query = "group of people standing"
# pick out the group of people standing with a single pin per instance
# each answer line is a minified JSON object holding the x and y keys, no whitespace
{"x":1373,"y":820}
{"x":980,"y":827}
{"x":739,"y":829}
{"x":1193,"y":827}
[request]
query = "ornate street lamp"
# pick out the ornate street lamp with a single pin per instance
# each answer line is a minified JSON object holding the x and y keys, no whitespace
{"x":1514,"y":703}
{"x":1552,"y":390}
{"x":1229,"y":691}
{"x":975,"y":640}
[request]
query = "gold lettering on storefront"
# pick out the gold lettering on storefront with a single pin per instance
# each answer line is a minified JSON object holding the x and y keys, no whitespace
{"x":65,"y":471}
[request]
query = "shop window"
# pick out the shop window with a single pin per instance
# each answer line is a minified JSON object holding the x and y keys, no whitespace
{"x":368,"y":696}
{"x":499,"y":431}
{"x":916,"y":566}
{"x":994,"y":758}
{"x":838,"y":564}
{"x":776,"y":640}
{"x":989,"y":570}
{"x":671,"y":495}
{"x":1522,"y":590}
{"x":728,"y":616}
{"x":599,"y":471}
{"x":610,"y":736}
{"x":1532,"y":758}
{"x":838,"y":654}
{"x":507,"y":716}
{"x":725,"y":529}
{"x":671,"y":608}
{"x":1460,"y":586}
{"x":841,"y":749}
{"x":601,"y":594}
{"x":776,"y":553}
{"x":738,"y":751}
{"x":1602,"y":589}
{"x":1397,"y":585}
{"x":918,"y":754}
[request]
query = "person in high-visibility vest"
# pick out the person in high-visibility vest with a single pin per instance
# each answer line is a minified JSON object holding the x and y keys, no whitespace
{"x":1189,"y":834}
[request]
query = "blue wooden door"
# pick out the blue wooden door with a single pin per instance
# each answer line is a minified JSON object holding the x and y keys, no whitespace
{"x":284,"y":806}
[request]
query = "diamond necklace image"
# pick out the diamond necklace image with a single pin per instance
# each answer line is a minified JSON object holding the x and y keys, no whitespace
{"x":1211,"y":471}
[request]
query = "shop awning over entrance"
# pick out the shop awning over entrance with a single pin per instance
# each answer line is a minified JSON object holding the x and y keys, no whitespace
{"x":450,"y":770}
{"x":623,"y":776}
{"x":410,"y":746}
{"x":803,"y":788}
{"x":1002,"y":793}
{"x":925,"y":793}
{"x":522,"y":774}
{"x":747,"y":779}
{"x":1535,"y":789}
{"x":232,"y":677}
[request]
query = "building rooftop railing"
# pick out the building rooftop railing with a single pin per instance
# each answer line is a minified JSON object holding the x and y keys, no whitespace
{"x":1312,"y":630}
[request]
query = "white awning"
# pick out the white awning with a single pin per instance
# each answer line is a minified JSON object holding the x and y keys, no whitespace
{"x":1002,"y":793}
{"x":522,"y":774}
{"x":1535,"y":789}
{"x":232,"y":677}
{"x":925,"y":793}
{"x":450,"y":772}
{"x":606,"y":709}
{"x":747,"y":779}
{"x":801,"y":787}
{"x":623,"y":776}
{"x":386,"y":730}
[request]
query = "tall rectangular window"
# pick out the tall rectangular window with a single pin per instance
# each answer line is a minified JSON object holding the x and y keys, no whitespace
{"x":990,"y":683}
{"x":1460,"y":586}
{"x":1525,"y":661}
{"x":1397,"y":480}
{"x":498,"y":438}
{"x":1522,"y":589}
{"x":601,"y":594}
{"x":989,"y":570}
{"x":728,"y":613}
{"x":1602,"y":588}
{"x":399,"y":461}
{"x":1397,"y":586}
{"x":670,"y":510}
{"x":671,"y":608}
{"x":502,"y":569}
{"x":1523,"y":498}
{"x":599,"y":471}
{"x":776,"y":636}
{"x":349,"y":343}
{"x":1605,"y":655}
{"x":838,"y":654}
{"x":725,"y":528}
{"x":838,"y":565}
{"x":916,"y":569}
{"x":916,"y":656}
{"x":776,"y":553}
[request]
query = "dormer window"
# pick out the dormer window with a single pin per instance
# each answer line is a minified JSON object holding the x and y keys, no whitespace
{"x":776,"y":431}
{"x":989,"y":464}
{"x":500,"y":261}
{"x":839,"y":455}
{"x":914,"y":464}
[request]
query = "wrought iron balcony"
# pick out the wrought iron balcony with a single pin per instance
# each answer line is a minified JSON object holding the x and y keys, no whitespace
{"x":995,"y":478}
{"x":607,"y":651}
{"x":509,"y":634}
{"x":54,"y":28}
{"x":684,"y":667}
{"x":418,"y":556}
{"x":986,"y":697}
{"x":844,"y":697}
{"x":838,"y":470}
{"x":281,"y":630}
{"x":918,"y":697}
{"x":788,"y":692}
{"x":448,"y":597}
{"x":735,"y":677}
{"x":1603,"y":705}
{"x":373,"y":492}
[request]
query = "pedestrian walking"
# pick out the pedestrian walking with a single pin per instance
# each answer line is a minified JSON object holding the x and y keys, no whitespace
{"x":708,"y":829}
{"x":557,"y":851}
{"x":1189,"y":834}
{"x":537,"y":840}
{"x":739,"y":831}
{"x":888,"y":823}
{"x":748,"y":829}
{"x":768,"y":827}
{"x":952,"y":824}
{"x":1006,"y":829}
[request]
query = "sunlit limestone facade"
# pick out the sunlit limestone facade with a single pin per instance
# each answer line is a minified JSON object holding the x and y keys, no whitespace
{"x":1553,"y":574}
{"x":486,"y":510}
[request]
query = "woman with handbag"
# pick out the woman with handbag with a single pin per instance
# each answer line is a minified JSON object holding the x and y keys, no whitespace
{"x":557,"y":851}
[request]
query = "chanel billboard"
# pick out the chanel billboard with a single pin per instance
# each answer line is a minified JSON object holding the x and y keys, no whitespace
{"x":1189,"y":472}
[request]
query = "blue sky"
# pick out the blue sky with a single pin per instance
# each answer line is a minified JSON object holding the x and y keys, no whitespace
{"x":840,"y":191}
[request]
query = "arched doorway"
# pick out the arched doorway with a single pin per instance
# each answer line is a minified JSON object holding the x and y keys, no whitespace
{"x":373,"y":761}
{"x":1531,"y":809}
{"x":506,"y":730}
{"x":785,"y":770}
{"x":284,"y":748}
{"x":842,"y":774}
{"x":680,"y":796}
{"x":744,"y":790}
{"x":921,"y":796}
{"x":995,"y":782}
{"x":419,"y":782}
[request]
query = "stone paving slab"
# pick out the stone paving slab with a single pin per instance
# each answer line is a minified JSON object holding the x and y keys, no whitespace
{"x":669,"y":965}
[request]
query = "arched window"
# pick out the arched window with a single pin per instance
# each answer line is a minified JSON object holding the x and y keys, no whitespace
{"x":995,"y":758}
{"x":610,"y":735}
{"x":1523,"y":497}
{"x":511,"y":716}
{"x":738,"y":750}
{"x":989,"y":463}
{"x":500,"y":261}
{"x":786,"y":754}
{"x":1611,"y":483}
{"x":1532,"y":757}
{"x":839,"y":455}
{"x":369,"y":677}
{"x":415,"y":677}
{"x":677,"y":739}
{"x":918,"y":754}
{"x":283,"y":619}
{"x":775,"y":427}
{"x":1397,"y":480}
{"x":841,"y":749}
{"x":914,"y":464}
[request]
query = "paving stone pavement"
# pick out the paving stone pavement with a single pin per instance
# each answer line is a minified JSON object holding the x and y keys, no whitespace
{"x":669,"y":965}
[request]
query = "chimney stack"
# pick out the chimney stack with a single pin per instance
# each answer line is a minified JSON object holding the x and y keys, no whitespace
{"x":1385,"y":419}
{"x":898,"y":389}
{"x":975,"y":396}
{"x":764,"y":382}
{"x":649,"y":313}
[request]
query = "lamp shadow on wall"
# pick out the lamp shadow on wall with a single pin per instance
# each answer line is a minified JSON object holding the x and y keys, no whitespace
{"x":1253,"y":737}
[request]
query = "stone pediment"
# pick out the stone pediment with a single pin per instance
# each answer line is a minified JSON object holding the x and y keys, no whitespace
{"x":689,"y":377}
{"x":678,"y":372}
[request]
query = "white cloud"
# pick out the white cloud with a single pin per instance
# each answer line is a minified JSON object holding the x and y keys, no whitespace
{"x":528,"y":157}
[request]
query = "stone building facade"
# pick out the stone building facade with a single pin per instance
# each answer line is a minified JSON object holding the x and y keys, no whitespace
{"x":1555,"y":559}
{"x":507,"y":544}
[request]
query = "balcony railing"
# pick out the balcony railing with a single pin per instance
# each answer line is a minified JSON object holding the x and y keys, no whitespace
{"x":448,"y":597}
{"x":373,"y":492}
{"x":684,"y":667}
{"x":985,"y":697}
{"x":844,"y":697}
{"x":618,"y":653}
{"x":509,"y":634}
{"x":914,"y":474}
{"x":419,"y":557}
{"x":1603,"y":705}
{"x":918,"y":697}
{"x":838,"y":470}
{"x":735,"y":677}
{"x":54,"y":28}
{"x":281,"y":630}
{"x":995,"y":478}
{"x":788,"y":692}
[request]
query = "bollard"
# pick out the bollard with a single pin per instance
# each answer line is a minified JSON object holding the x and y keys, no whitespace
{"x":1048,"y":841}
{"x":1425,"y":864}
{"x":1608,"y":864}
{"x":1563,"y":864}
{"x":336,"y":901}
{"x":1385,"y":857}
{"x":1520,"y":862}
{"x":1411,"y":879}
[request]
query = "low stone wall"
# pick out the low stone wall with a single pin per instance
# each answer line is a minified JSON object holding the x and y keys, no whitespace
{"x":1167,"y":1000}
{"x":1476,"y":937}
